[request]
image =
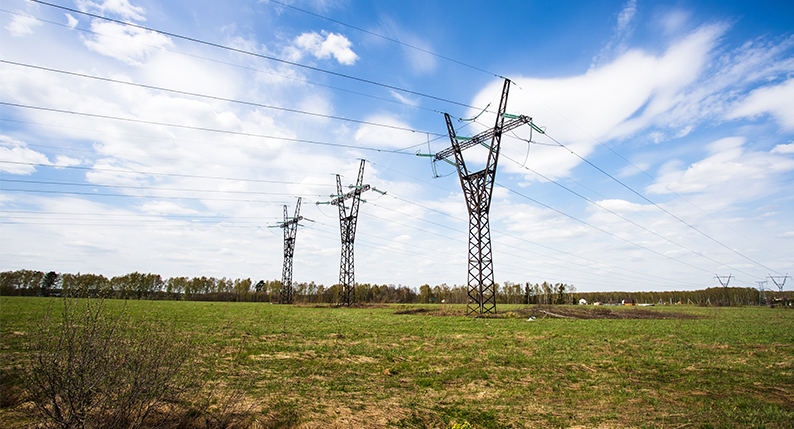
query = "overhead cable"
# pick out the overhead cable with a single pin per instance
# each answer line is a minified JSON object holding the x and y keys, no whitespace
{"x":253,"y":54}
{"x":371,"y":33}
{"x":228,"y":100}
{"x":195,"y":128}
{"x":621,"y":183}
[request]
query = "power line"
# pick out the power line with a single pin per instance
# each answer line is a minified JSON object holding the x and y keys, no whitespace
{"x":533,"y":243}
{"x":130,"y":215}
{"x":407,"y":45}
{"x":595,"y":203}
{"x":509,"y":235}
{"x":253,"y":54}
{"x":616,"y":153}
{"x":603,"y":230}
{"x":644,"y":198}
{"x":195,"y":128}
{"x":94,"y":194}
{"x":150,"y":137}
{"x":147,"y":173}
{"x":660,"y":207}
{"x":153,"y":188}
{"x":568,"y":263}
{"x":228,"y":100}
{"x":288,"y":77}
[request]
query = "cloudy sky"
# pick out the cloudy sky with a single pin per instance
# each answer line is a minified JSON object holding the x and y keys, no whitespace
{"x":166,"y":137}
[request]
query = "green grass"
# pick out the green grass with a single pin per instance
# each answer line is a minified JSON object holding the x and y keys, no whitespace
{"x":369,"y":367}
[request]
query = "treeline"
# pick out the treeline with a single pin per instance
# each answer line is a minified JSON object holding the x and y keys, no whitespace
{"x":508,"y":293}
{"x":153,"y":286}
{"x":716,"y":296}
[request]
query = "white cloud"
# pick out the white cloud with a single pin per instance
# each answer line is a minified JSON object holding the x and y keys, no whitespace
{"x":128,"y":44}
{"x":420,"y":60}
{"x":622,"y":30}
{"x":122,"y":8}
{"x":623,"y":206}
{"x":631,"y":170}
{"x":65,"y":161}
{"x":664,"y":95}
{"x":729,"y":173}
{"x":673,"y":21}
{"x":777,"y":100}
{"x":784,"y":148}
{"x":165,"y":207}
{"x":369,"y":135}
{"x":405,"y":100}
{"x":626,"y":15}
{"x":22,"y":25}
{"x":333,"y":44}
{"x":71,"y":21}
{"x":788,"y":235}
{"x":16,"y":157}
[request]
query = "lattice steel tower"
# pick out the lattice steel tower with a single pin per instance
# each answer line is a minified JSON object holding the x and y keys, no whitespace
{"x":477,"y":188}
{"x":779,"y":281}
{"x":290,"y":227}
{"x":347,"y":228}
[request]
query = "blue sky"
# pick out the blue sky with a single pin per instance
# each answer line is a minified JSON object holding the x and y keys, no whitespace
{"x":668,"y":156}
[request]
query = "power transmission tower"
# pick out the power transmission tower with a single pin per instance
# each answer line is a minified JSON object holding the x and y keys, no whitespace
{"x":779,"y":281}
{"x":477,"y":188}
{"x":725,"y":281}
{"x":347,"y":228}
{"x":761,"y":294}
{"x":290,"y":227}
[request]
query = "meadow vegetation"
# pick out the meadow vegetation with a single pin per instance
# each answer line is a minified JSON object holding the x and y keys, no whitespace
{"x":414,"y":365}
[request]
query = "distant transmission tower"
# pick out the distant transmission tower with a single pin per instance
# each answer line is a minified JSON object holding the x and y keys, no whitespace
{"x":761,"y":294}
{"x":290,"y":226}
{"x":779,"y":281}
{"x":725,"y":281}
{"x":347,"y":227}
{"x":477,"y":188}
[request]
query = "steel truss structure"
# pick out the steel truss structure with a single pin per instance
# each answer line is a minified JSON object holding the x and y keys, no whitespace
{"x":779,"y":281}
{"x":478,"y":188}
{"x":347,"y":228}
{"x":725,"y":281}
{"x":290,"y":227}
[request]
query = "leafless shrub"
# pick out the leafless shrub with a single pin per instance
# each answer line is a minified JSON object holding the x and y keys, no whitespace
{"x":94,"y":368}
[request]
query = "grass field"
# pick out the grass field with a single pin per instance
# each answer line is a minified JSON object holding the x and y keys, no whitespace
{"x":698,"y":367}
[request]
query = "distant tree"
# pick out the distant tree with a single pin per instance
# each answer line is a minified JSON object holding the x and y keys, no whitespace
{"x":425,"y":294}
{"x":176,"y":285}
{"x":48,"y":283}
{"x":9,"y":281}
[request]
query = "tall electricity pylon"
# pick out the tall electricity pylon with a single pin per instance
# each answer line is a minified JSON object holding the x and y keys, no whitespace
{"x":290,"y":226}
{"x":477,"y":188}
{"x":779,"y":281}
{"x":761,"y":294}
{"x":725,"y":281}
{"x":347,"y":228}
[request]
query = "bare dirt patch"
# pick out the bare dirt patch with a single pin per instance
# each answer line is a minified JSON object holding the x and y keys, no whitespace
{"x":592,"y":312}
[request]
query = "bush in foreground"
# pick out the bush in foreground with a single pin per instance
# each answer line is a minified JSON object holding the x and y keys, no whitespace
{"x":93,"y":368}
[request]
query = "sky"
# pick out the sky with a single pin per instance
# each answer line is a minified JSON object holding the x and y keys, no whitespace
{"x":167,"y":137}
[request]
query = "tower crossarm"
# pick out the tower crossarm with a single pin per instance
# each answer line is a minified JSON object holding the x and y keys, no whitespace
{"x":485,"y":137}
{"x":358,"y":190}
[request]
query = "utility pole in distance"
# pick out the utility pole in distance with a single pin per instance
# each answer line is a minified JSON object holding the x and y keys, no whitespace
{"x":761,"y":293}
{"x":725,"y":281}
{"x":779,"y":281}
{"x":347,"y":228}
{"x":290,"y":227}
{"x":477,"y":188}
